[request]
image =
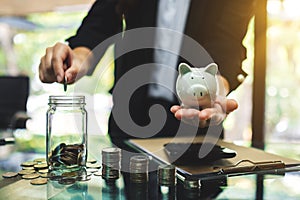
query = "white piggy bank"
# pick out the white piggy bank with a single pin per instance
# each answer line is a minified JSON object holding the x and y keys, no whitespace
{"x":197,"y":87}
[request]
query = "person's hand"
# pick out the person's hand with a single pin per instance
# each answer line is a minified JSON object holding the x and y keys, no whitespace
{"x":208,"y":116}
{"x":60,"y":62}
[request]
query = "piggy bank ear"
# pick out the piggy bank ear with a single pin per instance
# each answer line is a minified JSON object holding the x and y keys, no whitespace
{"x":184,"y":68}
{"x":211,"y":69}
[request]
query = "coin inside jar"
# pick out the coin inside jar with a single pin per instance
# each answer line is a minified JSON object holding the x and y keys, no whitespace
{"x":67,"y":155}
{"x":67,"y":181}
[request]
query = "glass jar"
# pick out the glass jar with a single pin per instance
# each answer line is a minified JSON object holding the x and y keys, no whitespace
{"x":66,"y":140}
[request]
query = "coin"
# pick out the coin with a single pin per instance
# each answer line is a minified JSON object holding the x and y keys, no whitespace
{"x":28,"y":168}
{"x":91,"y":160}
{"x":139,"y":169}
{"x":28,"y":164}
{"x":55,"y":178}
{"x":40,"y":160}
{"x":39,"y":181}
{"x":91,"y":170}
{"x":43,"y":171}
{"x":46,"y":175}
{"x":67,"y":155}
{"x":9,"y":174}
{"x":26,"y":171}
{"x":93,"y":165}
{"x":166,"y":175}
{"x":30,"y":176}
{"x":67,"y":181}
{"x":40,"y":166}
{"x":99,"y":173}
{"x":69,"y":174}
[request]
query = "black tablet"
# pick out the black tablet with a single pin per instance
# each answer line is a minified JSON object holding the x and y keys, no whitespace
{"x":188,"y":154}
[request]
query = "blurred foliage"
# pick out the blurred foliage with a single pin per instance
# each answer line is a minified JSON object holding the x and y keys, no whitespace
{"x":283,"y":77}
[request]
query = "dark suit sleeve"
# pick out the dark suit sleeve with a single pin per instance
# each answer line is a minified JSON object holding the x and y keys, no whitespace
{"x":100,"y":23}
{"x":225,"y":35}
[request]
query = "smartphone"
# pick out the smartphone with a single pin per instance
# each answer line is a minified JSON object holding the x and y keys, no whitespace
{"x":188,"y":154}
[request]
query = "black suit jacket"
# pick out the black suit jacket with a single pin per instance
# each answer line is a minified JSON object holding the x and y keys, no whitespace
{"x":217,"y":25}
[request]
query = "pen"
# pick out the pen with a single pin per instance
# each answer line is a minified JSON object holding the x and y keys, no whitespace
{"x":65,"y":84}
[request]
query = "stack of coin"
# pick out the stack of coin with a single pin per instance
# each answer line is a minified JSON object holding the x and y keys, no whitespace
{"x":111,"y":163}
{"x":166,"y":175}
{"x":192,"y":184}
{"x":67,"y":155}
{"x":139,"y":169}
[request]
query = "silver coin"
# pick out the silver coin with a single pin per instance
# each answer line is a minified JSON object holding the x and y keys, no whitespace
{"x":91,"y":160}
{"x":99,"y":173}
{"x":166,"y":175}
{"x":93,"y":165}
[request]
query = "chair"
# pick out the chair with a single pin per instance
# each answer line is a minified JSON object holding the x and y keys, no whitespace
{"x":14,"y":92}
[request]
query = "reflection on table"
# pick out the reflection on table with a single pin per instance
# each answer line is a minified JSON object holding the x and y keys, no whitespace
{"x":284,"y":184}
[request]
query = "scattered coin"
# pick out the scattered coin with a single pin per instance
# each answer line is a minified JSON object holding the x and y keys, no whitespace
{"x":30,"y":176}
{"x":39,"y":181}
{"x":43,"y":171}
{"x":28,"y":164}
{"x":28,"y":168}
{"x":92,"y":170}
{"x":91,"y":160}
{"x":40,"y":166}
{"x":93,"y":165}
{"x":67,"y":181}
{"x":26,"y":171}
{"x":46,"y":175}
{"x":9,"y":174}
{"x":99,"y":173}
{"x":40,"y":160}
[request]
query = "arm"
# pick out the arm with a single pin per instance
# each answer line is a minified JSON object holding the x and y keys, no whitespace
{"x":78,"y":59}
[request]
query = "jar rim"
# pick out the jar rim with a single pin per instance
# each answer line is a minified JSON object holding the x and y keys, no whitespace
{"x":64,"y":99}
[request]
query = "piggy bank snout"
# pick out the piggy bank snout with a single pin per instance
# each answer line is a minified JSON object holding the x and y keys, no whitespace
{"x":198,"y":90}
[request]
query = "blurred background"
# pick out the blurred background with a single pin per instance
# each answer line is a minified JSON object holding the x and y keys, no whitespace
{"x":27,"y":27}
